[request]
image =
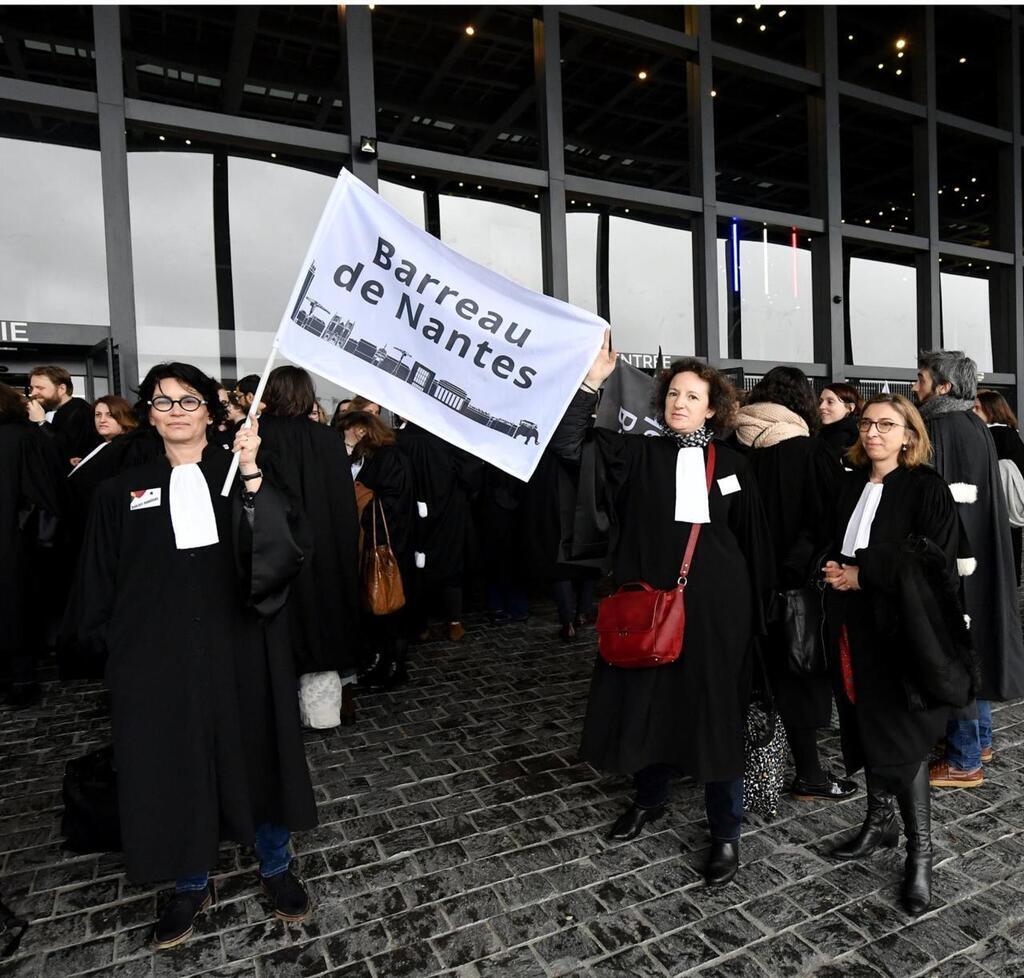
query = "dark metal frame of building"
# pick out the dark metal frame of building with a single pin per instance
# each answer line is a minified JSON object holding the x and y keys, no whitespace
{"x":113,"y":112}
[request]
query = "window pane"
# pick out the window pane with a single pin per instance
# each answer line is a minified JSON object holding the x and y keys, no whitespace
{"x":650,"y":285}
{"x":764,"y":290}
{"x":776,"y":31}
{"x":53,"y":45}
{"x":440,"y":87}
{"x":967,"y":300}
{"x":52,"y":251}
{"x":625,"y":111}
{"x":970,"y":211}
{"x":171,"y":199}
{"x":882,"y":307}
{"x":877,"y":152}
{"x":581,"y":235}
{"x":761,"y":142}
{"x":501,"y":236}
{"x":870,"y":52}
{"x":274,"y":211}
{"x":408,"y":201}
{"x":972,"y":64}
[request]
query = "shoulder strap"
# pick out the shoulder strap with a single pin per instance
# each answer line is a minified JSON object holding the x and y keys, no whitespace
{"x":691,"y":543}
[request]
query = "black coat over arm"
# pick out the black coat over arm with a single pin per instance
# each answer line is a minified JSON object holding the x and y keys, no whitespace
{"x":205,"y":720}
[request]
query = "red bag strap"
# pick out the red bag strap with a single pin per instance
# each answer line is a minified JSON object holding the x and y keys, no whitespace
{"x":691,"y":544}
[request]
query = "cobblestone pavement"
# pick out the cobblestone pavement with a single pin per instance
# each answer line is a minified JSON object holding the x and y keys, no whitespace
{"x":461,"y":837}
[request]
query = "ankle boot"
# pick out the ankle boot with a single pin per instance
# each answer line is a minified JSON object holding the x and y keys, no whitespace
{"x":397,"y":675}
{"x":915,"y":808}
{"x":376,"y":676}
{"x":880,"y":827}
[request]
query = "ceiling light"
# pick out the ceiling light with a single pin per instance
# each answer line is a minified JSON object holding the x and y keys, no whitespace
{"x":849,"y":37}
{"x":880,"y":213}
{"x":782,"y":13}
{"x":273,"y":156}
{"x":963,"y":61}
{"x":867,"y":220}
{"x":956,"y":190}
{"x":757,"y":6}
{"x":470,"y":30}
{"x":940,"y":191}
{"x":188,"y":142}
{"x":478,"y":187}
{"x":880,"y":66}
{"x":461,"y":184}
{"x":713,"y":93}
{"x":162,"y":138}
{"x":739,"y":20}
{"x":899,"y":71}
{"x":627,"y":210}
{"x":412,"y":176}
{"x":901,"y":44}
{"x":573,"y":202}
{"x":589,"y":204}
{"x":642,"y":75}
{"x":762,"y":28}
{"x":974,"y":179}
{"x":899,"y":54}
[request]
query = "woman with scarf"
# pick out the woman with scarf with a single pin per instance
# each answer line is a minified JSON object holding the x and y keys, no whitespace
{"x":686,"y":716}
{"x":901,"y":653}
{"x":797,"y":477}
{"x":839,"y":406}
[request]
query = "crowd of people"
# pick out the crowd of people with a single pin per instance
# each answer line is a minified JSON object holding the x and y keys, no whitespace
{"x":226,"y":616}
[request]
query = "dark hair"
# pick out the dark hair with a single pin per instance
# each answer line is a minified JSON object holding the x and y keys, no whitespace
{"x":848,"y":394}
{"x":12,"y":404}
{"x":120,"y":410}
{"x":789,"y":387}
{"x":919,"y":445}
{"x":377,"y":434}
{"x":289,"y":392}
{"x":996,"y":408}
{"x":184,"y":373}
{"x":951,"y":367}
{"x":248,"y":384}
{"x":721,"y":396}
{"x":56,"y":376}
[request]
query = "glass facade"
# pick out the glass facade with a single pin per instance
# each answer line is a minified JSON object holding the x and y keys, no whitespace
{"x":830,"y":187}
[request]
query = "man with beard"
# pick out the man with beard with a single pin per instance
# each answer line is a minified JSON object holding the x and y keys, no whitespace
{"x":965,"y":456}
{"x":72,"y":427}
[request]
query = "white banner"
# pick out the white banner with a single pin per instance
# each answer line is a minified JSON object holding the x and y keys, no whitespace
{"x":386,"y":310}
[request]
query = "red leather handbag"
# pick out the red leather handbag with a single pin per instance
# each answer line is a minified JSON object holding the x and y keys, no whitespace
{"x":640,"y":626}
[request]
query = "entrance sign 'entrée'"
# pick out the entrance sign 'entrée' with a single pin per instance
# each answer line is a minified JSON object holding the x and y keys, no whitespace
{"x":385,"y":309}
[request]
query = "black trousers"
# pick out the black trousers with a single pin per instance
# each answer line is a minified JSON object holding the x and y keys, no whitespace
{"x":723,"y":800}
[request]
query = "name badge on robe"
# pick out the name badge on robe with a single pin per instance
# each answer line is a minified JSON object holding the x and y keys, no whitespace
{"x":729,"y":484}
{"x":145,"y":498}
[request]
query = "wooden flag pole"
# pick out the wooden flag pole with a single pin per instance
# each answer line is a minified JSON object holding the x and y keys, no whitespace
{"x":253,"y":410}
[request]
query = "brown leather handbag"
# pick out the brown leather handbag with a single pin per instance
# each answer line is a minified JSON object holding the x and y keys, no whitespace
{"x":383,"y":593}
{"x":640,"y":626}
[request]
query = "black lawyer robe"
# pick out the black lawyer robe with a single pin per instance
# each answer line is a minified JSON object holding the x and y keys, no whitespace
{"x":1009,"y":446}
{"x":309,"y":460}
{"x":689,"y":713}
{"x":965,"y":456}
{"x":32,"y":497}
{"x":887,"y":731}
{"x":444,"y":479}
{"x":797,"y":479}
{"x":205,"y":722}
{"x":839,"y":436}
{"x":73,"y":430}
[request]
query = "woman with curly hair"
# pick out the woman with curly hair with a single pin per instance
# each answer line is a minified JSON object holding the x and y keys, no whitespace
{"x":686,"y":716}
{"x":798,"y":478}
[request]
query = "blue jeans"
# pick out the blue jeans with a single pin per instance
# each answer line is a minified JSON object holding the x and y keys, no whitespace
{"x":271,"y":849}
{"x":723,"y":800}
{"x":966,"y":738}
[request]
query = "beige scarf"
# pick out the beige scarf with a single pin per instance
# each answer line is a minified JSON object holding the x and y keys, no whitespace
{"x":764,"y":425}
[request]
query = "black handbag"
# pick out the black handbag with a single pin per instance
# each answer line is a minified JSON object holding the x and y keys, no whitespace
{"x":799,"y":618}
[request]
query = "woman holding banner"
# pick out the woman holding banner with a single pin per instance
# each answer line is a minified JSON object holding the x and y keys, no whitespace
{"x":687,"y":716}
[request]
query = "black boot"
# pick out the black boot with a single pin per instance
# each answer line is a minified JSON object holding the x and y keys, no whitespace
{"x":916,"y":809}
{"x":377,"y":675}
{"x":397,"y":675}
{"x":723,"y":861}
{"x":880,"y":827}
